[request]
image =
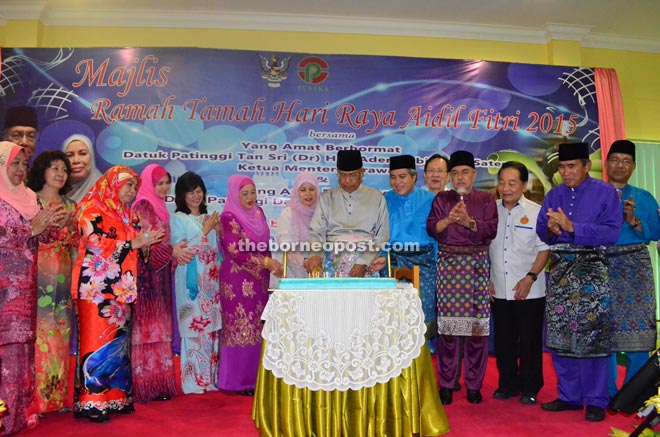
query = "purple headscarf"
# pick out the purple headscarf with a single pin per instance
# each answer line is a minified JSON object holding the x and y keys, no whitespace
{"x":253,"y":221}
{"x":301,"y":215}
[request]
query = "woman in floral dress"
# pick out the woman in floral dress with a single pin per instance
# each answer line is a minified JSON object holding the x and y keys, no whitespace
{"x":22,"y":226}
{"x":49,"y":178}
{"x":196,"y":286}
{"x":104,"y":286}
{"x":244,"y":275}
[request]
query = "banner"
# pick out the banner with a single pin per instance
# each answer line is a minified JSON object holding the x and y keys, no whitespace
{"x":272,"y":115}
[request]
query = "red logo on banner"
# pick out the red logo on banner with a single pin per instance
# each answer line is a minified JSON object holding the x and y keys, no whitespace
{"x":313,"y":70}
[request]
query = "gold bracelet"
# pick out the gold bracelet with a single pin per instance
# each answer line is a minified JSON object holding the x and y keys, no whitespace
{"x":266,"y":263}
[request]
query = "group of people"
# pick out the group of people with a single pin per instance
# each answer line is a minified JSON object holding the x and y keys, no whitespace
{"x":599,"y":298}
{"x":95,"y":265}
{"x":480,"y":257}
{"x":105,"y":272}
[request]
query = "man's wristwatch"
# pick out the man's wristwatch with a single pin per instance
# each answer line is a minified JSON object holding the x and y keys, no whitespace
{"x":638,"y":222}
{"x":472,"y":225}
{"x":532,"y":275}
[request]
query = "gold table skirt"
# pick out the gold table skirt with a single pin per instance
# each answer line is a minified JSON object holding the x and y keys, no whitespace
{"x":404,"y":406}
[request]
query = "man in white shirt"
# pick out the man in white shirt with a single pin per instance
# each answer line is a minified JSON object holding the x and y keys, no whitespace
{"x":353,"y":218}
{"x":518,"y":257}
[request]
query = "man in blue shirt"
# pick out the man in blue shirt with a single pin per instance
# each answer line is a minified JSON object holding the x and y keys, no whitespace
{"x":631,"y":274}
{"x":408,"y":207}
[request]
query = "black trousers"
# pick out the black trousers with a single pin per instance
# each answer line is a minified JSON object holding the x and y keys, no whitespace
{"x":519,"y":344}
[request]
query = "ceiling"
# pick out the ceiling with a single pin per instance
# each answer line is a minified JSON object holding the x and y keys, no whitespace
{"x":617,"y":24}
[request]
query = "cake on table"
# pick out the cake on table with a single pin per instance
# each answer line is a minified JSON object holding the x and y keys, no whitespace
{"x":336,"y":283}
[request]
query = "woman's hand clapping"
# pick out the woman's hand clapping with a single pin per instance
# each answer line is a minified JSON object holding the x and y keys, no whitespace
{"x":147,"y":238}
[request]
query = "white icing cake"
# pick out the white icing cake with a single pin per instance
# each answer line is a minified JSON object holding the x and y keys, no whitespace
{"x":336,"y":283}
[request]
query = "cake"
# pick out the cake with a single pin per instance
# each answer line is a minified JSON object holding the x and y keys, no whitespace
{"x":336,"y":283}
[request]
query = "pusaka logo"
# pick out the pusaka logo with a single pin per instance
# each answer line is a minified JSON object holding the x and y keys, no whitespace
{"x":313,"y":70}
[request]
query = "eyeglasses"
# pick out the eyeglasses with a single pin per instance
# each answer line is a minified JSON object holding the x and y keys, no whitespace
{"x":439,"y":171}
{"x":624,"y":162}
{"x":350,"y":176}
{"x":18,"y":135}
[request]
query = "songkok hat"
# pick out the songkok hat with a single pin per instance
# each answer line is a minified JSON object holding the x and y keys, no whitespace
{"x":622,"y":146}
{"x":21,"y":116}
{"x":571,"y":151}
{"x":349,"y":160}
{"x":402,"y":161}
{"x":461,"y":157}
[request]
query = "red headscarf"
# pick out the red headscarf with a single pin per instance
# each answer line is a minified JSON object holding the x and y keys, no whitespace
{"x":18,"y":196}
{"x":105,"y":194}
{"x":151,"y":175}
{"x":253,"y":220}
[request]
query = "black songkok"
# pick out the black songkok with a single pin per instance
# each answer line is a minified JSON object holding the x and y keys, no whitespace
{"x":571,"y":151}
{"x":402,"y":161}
{"x":21,"y":116}
{"x":349,"y":160}
{"x":461,"y":157}
{"x":622,"y":146}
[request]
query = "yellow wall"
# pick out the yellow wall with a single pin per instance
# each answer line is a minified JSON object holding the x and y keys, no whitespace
{"x":637,"y":72}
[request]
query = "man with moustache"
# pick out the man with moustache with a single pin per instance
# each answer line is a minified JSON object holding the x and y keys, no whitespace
{"x":21,"y":127}
{"x":436,"y":176}
{"x":463,"y":221}
{"x":578,"y":220}
{"x":631,"y":274}
{"x":408,"y":207}
{"x":350,"y":215}
{"x":517,"y":259}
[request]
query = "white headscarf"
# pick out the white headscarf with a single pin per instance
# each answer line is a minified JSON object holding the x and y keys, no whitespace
{"x":80,"y":188}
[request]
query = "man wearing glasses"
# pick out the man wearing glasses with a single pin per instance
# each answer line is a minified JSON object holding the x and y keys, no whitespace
{"x":435,"y":173}
{"x":21,"y":128}
{"x":631,"y":275}
{"x":350,"y":225}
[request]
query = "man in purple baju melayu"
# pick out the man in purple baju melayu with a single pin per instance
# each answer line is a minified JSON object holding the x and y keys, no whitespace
{"x":579,"y":219}
{"x":463,"y":221}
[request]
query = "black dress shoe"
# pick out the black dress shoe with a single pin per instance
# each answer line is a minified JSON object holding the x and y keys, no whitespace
{"x":559,"y":405}
{"x":246,"y":392}
{"x":503,"y":394}
{"x":474,"y":396}
{"x":528,"y":399}
{"x":162,"y":397}
{"x":128,"y":409}
{"x":594,"y":414}
{"x":99,"y":417}
{"x":446,"y":395}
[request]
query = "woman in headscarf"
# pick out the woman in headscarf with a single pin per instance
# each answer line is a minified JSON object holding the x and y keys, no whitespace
{"x":151,"y":347}
{"x":293,"y":224}
{"x":196,"y":285}
{"x":244,"y":272}
{"x":49,"y":178}
{"x":104,"y":286}
{"x":21,"y":221}
{"x":84,"y":174}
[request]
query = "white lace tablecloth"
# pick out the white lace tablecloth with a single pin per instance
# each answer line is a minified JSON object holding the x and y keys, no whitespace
{"x":342,"y":339}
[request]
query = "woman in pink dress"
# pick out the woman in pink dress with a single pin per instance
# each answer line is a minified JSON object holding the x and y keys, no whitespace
{"x":244,"y":273}
{"x":151,"y":346}
{"x":22,"y":226}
